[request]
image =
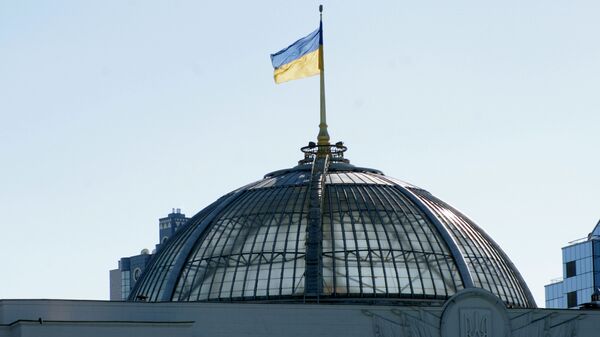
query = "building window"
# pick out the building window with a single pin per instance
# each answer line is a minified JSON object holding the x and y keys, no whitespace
{"x":571,"y":269}
{"x":572,"y":299}
{"x":125,"y":284}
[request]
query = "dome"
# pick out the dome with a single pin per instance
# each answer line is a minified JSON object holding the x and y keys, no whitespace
{"x":328,"y":231}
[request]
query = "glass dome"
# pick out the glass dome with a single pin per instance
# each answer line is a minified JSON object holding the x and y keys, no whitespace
{"x":328,"y":231}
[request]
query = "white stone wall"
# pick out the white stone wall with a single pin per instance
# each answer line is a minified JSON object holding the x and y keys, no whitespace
{"x":471,"y":313}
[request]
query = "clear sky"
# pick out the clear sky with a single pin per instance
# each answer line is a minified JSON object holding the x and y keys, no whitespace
{"x":114,"y":112}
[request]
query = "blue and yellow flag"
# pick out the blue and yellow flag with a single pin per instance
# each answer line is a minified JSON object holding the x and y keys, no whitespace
{"x":299,"y":60}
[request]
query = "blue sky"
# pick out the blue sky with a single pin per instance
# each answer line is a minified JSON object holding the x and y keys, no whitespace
{"x":114,"y":112}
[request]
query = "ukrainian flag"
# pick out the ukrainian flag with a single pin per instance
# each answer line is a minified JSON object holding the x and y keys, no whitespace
{"x":299,"y":60}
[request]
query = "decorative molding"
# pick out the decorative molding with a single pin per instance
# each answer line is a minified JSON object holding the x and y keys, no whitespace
{"x":546,"y":324}
{"x":475,"y":312}
{"x":403,"y":325}
{"x":479,"y":313}
{"x":475,"y":322}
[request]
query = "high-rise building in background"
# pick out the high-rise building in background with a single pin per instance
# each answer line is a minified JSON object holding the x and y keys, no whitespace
{"x":123,"y":279}
{"x":169,"y":225}
{"x":580,"y":282}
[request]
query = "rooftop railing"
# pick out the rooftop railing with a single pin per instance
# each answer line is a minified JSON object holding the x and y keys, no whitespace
{"x":335,"y":152}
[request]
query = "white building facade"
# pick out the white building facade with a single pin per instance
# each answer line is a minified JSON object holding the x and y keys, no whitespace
{"x":469,"y":313}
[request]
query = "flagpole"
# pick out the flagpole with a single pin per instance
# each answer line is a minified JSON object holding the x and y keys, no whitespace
{"x":323,"y":137}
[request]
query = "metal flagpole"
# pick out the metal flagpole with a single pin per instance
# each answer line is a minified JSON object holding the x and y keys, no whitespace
{"x":323,"y":137}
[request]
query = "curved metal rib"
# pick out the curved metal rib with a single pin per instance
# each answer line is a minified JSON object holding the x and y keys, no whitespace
{"x":461,"y":262}
{"x":173,"y":276}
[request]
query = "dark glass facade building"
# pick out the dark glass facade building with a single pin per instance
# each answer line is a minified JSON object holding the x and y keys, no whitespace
{"x":328,"y":231}
{"x":580,"y":280}
{"x":124,"y":278}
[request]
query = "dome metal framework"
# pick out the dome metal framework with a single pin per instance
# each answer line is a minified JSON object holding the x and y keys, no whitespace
{"x":326,"y":230}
